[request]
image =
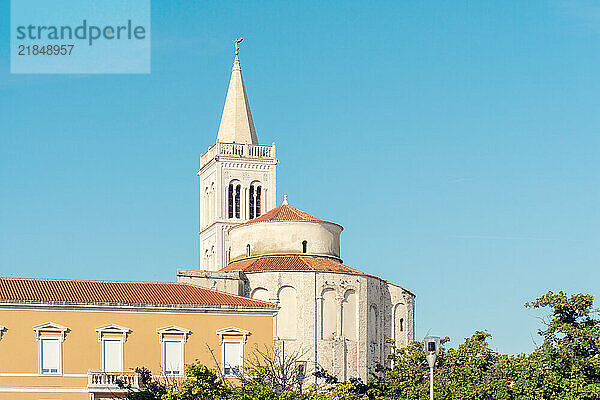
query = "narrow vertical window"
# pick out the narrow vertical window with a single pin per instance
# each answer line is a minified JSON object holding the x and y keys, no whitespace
{"x":112,"y":355}
{"x":374,"y":321}
{"x":248,"y":250}
{"x":251,"y":202}
{"x":50,"y":355}
{"x":232,"y":358}
{"x":304,"y":246}
{"x":230,"y":201}
{"x":173,"y":357}
{"x":258,"y":192}
{"x":238,"y":189}
{"x":328,"y":314}
{"x":401,"y":324}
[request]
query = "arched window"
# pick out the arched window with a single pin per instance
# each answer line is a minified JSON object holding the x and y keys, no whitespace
{"x":374,"y":324}
{"x":304,"y":246}
{"x":238,"y":190}
{"x":247,"y":250}
{"x":399,"y":316}
{"x":328,"y":314}
{"x":349,"y":315}
{"x":254,"y":201}
{"x":287,"y":315}
{"x":228,"y":256}
{"x":260,"y":294}
{"x":212,"y":202}
{"x":258,"y":200}
{"x":206,"y":208}
{"x":233,"y":199}
{"x":230,"y":201}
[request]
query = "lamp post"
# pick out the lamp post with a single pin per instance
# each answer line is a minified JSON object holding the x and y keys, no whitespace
{"x":431,"y":348}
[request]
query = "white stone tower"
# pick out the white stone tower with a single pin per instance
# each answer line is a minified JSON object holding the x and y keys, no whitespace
{"x":237,"y":176}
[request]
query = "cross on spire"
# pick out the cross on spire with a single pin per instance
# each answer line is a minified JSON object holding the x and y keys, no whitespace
{"x":237,"y":45}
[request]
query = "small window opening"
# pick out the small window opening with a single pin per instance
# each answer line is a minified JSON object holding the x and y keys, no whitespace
{"x":230,"y":201}
{"x":401,"y":324}
{"x":304,"y":246}
{"x":238,"y":189}
{"x":251,"y":202}
{"x":258,"y":192}
{"x":248,"y":250}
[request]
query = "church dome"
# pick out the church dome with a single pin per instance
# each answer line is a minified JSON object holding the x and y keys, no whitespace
{"x":285,"y":230}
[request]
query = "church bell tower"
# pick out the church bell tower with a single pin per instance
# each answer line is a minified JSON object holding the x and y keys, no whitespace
{"x":237,"y":175}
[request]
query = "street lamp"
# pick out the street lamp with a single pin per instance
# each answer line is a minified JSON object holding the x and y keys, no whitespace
{"x":431,"y":348}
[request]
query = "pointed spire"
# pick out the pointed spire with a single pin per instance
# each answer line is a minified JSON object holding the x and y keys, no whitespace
{"x":236,"y":122}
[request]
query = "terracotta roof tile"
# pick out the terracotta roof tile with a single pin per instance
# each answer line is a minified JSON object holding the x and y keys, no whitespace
{"x":290,"y":263}
{"x":116,"y":292}
{"x":284,"y":212}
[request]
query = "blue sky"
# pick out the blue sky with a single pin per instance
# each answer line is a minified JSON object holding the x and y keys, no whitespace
{"x":456,"y":142}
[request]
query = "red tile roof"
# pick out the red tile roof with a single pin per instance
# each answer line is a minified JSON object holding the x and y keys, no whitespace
{"x":290,"y":263}
{"x":115,"y":292}
{"x":284,"y":212}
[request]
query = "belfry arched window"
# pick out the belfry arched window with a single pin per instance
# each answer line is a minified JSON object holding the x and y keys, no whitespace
{"x":255,"y":200}
{"x":230,"y":201}
{"x":238,"y":190}
{"x":233,"y":200}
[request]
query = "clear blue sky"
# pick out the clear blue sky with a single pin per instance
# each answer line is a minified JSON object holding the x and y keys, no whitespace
{"x":456,"y":142}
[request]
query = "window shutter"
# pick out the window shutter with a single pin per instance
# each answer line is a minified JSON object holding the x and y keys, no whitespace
{"x":113,"y":355}
{"x":50,"y":355}
{"x":233,"y":357}
{"x":173,"y":355}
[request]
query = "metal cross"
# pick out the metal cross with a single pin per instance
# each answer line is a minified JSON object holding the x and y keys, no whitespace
{"x":237,"y":45}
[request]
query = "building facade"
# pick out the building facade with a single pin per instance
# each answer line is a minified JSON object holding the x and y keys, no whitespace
{"x":63,"y":339}
{"x":337,"y":317}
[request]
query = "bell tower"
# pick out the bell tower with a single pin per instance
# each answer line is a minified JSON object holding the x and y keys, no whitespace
{"x":237,"y":175}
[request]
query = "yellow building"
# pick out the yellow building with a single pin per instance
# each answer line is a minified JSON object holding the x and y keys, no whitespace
{"x":68,"y":339}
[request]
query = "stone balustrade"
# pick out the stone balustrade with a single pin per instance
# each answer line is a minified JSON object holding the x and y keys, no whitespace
{"x":237,"y":150}
{"x":108,"y":380}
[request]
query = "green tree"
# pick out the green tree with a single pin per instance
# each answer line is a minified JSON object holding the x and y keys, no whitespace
{"x":567,"y":364}
{"x":201,"y":383}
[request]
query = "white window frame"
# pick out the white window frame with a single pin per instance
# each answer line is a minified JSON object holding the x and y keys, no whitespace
{"x":232,"y":334}
{"x":50,"y":330}
{"x":241,"y":366}
{"x":41,"y":338}
{"x":102,"y":358}
{"x":164,"y":356}
{"x":177,"y":334}
{"x":111,"y":331}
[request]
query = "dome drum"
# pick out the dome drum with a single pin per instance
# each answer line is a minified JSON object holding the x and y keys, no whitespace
{"x":319,"y":238}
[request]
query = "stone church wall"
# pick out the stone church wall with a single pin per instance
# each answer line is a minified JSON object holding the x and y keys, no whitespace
{"x":339,"y":320}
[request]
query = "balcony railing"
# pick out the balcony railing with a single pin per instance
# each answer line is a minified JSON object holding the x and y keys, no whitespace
{"x":238,"y":150}
{"x":108,"y":380}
